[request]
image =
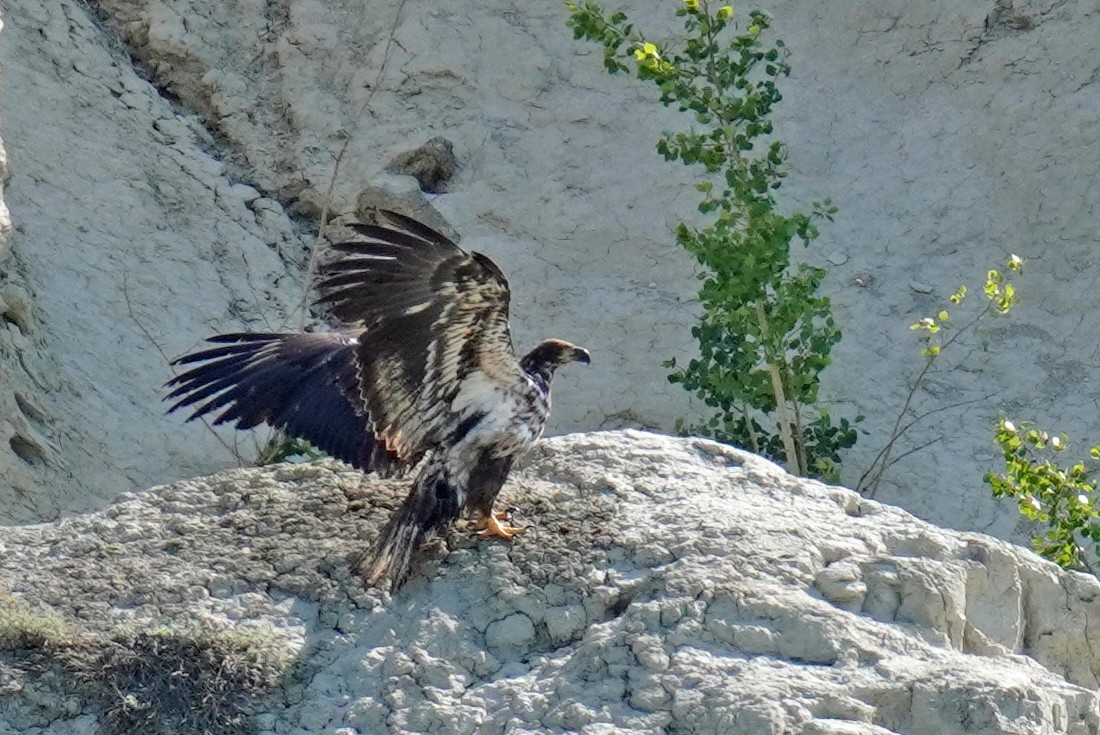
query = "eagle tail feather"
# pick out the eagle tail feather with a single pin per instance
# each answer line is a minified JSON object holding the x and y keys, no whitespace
{"x":393,"y":555}
{"x":432,"y":504}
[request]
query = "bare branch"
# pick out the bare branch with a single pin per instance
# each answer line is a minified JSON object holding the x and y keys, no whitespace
{"x":303,"y":305}
{"x":153,"y":341}
{"x":882,"y":460}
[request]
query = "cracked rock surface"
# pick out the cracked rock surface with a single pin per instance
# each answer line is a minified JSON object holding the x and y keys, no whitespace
{"x":669,"y":585}
{"x":132,"y":242}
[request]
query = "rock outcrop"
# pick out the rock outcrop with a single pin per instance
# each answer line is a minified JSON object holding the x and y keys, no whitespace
{"x":668,"y":585}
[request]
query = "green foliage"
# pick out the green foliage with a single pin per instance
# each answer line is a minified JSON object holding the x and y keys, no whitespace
{"x":1063,"y":498}
{"x":282,"y":447}
{"x":937,"y":333}
{"x":765,"y":332}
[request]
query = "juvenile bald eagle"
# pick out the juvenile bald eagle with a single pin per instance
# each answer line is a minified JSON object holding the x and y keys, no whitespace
{"x":424,"y":369}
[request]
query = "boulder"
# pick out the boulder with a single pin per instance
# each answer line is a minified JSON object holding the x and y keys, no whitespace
{"x":667,"y":585}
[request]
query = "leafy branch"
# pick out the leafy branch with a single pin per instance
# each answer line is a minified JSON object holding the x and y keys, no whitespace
{"x":937,"y":334}
{"x":1062,"y":498}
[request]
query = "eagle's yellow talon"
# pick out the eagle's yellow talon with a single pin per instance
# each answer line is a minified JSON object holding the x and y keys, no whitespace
{"x":492,"y":526}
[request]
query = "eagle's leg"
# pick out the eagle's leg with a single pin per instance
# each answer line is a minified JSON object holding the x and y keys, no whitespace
{"x":499,"y":524}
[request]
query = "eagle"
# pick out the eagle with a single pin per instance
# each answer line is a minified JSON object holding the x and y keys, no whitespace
{"x":421,"y":376}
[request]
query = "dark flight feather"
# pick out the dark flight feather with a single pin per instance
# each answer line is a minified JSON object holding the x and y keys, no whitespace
{"x":424,"y":333}
{"x":304,"y":384}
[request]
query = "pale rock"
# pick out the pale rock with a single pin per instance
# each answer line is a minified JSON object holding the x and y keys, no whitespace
{"x":921,"y":287}
{"x":132,"y":244}
{"x":399,"y":193}
{"x":515,"y":632}
{"x":5,"y":215}
{"x":753,"y":625}
{"x":564,"y":623}
{"x":842,"y":584}
{"x":432,"y":164}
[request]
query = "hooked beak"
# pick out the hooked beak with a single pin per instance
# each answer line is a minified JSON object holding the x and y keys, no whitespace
{"x":581,"y":355}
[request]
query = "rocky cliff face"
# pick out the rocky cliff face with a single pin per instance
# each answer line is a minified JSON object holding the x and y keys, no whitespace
{"x":157,"y":148}
{"x":128,"y":226}
{"x":667,"y":586}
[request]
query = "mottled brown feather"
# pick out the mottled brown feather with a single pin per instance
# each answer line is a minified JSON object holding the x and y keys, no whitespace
{"x":305,"y":384}
{"x":445,"y":317}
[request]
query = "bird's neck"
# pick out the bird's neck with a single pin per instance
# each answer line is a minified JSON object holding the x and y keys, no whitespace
{"x":542,"y":373}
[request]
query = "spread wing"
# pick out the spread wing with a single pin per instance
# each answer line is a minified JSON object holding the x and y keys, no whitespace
{"x":305,"y":384}
{"x":436,"y":350}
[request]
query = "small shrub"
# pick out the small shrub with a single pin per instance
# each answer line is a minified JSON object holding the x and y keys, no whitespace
{"x":193,"y":677}
{"x":198,"y":678}
{"x":937,"y":334}
{"x":1061,"y":497}
{"x":282,"y":447}
{"x":24,"y":628}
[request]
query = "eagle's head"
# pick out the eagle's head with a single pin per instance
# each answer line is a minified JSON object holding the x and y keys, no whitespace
{"x":550,"y":354}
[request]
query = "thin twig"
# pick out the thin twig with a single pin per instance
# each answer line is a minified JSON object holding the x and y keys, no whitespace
{"x":152,"y":340}
{"x":917,"y":448}
{"x":882,"y":459}
{"x":948,"y":407}
{"x":312,"y":264}
{"x":800,"y":436}
{"x":884,"y":453}
{"x":1083,"y":556}
{"x":923,"y":416}
{"x":255,"y":301}
{"x":753,"y":441}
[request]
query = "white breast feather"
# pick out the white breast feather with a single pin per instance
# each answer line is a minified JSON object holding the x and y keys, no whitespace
{"x":501,"y":408}
{"x":477,"y":394}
